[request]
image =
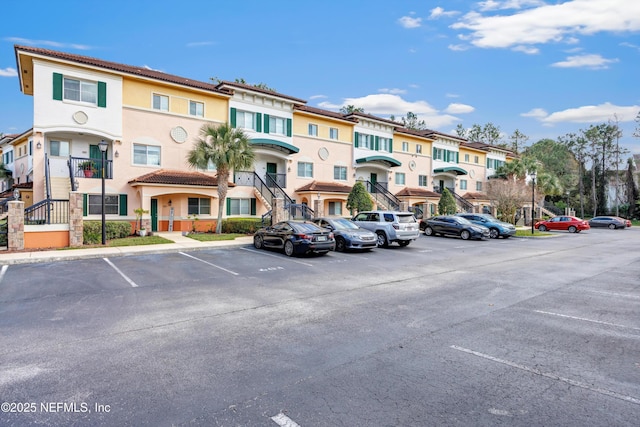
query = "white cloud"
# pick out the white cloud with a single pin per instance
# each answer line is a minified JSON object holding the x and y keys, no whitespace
{"x":586,"y":114}
{"x":8,"y":72}
{"x":509,"y":4}
{"x":452,"y":95}
{"x":393,"y":91}
{"x":438,"y":12}
{"x":410,"y":22}
{"x":526,"y":49}
{"x":146,"y":67}
{"x":48,"y":43}
{"x":595,"y":62}
{"x":318,"y":97}
{"x":456,"y":108}
{"x":384,"y":105}
{"x":560,"y":22}
{"x":630,"y":45}
{"x":198,"y":44}
{"x":414,"y":86}
{"x":458,"y":47}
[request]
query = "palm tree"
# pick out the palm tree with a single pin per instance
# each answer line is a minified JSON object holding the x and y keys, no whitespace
{"x":228,"y":149}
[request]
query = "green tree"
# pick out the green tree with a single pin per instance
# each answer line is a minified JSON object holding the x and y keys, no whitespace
{"x":518,"y":139}
{"x":411,"y":121}
{"x":633,"y":196}
{"x":350,"y":109}
{"x":489,"y":134}
{"x":447,"y":204}
{"x":359,"y":199}
{"x":228,"y":149}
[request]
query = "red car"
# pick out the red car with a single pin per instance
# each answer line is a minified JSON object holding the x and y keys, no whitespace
{"x":569,"y":223}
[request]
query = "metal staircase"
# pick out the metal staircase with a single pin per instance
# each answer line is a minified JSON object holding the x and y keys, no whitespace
{"x":382,"y":196}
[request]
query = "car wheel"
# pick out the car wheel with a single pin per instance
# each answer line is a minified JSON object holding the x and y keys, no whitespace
{"x":542,"y":228}
{"x":258,"y":242}
{"x":288,"y":248}
{"x":382,"y":239}
{"x":612,"y":226}
{"x":572,"y":229}
{"x":464,"y":234}
{"x":428,"y":231}
{"x":340,"y":244}
{"x":494,"y":233}
{"x":404,"y":242}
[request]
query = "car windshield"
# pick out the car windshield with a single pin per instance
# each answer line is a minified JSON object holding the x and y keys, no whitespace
{"x":462,"y":220}
{"x":489,"y":217}
{"x":406,"y":218}
{"x":306,"y":227}
{"x":343,"y":224}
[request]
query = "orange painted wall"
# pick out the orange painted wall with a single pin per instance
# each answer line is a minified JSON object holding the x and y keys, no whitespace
{"x":46,"y":239}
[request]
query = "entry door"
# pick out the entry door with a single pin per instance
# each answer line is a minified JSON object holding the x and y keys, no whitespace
{"x":154,"y":214}
{"x":96,"y":155}
{"x":374,"y":181}
{"x":441,"y":184}
{"x":272,"y":171}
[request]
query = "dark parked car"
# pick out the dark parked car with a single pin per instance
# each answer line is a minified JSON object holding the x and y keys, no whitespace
{"x":496,"y":227}
{"x":569,"y":223}
{"x":347,"y":234}
{"x":611,"y":222}
{"x":295,"y":238}
{"x":452,"y":225}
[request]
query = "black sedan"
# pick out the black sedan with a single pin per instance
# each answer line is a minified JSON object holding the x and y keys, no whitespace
{"x":295,"y":238}
{"x":348,"y":235}
{"x":450,"y":225}
{"x":611,"y":222}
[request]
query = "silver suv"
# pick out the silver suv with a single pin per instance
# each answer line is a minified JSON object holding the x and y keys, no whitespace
{"x":389,"y":226}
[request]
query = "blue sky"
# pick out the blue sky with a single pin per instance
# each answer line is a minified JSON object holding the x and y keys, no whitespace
{"x":544,"y":67}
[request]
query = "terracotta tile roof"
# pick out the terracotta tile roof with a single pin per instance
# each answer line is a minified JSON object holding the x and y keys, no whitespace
{"x":417,"y":192}
{"x":329,"y":187}
{"x":372,"y":117}
{"x":322,"y":112}
{"x":122,"y":68}
{"x":486,"y":147}
{"x":475,"y":196}
{"x":176,"y":177}
{"x":223,"y":86}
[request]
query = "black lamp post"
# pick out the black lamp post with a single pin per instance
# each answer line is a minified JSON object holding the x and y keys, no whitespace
{"x":103,"y":149}
{"x":533,"y":199}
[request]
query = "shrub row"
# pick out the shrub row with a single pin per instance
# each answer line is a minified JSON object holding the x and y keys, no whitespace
{"x":92,"y":233}
{"x":241,"y":225}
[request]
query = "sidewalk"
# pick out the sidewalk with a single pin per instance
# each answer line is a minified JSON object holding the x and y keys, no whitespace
{"x":181,"y":243}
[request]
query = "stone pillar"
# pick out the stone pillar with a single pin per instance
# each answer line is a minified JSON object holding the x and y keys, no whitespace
{"x":277,"y":210}
{"x":318,"y":208}
{"x":76,"y":225}
{"x":404,"y":206}
{"x":15,"y":226}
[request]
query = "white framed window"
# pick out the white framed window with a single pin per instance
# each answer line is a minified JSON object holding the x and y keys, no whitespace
{"x":418,"y":148}
{"x":111,"y":204}
{"x":313,"y":129}
{"x":80,"y":90}
{"x":335,"y":208}
{"x":239,"y":207}
{"x":199,"y":206}
{"x":333,"y":133}
{"x":463,"y":184}
{"x":422,"y":181}
{"x":305,"y":170}
{"x":196,"y":108}
{"x":405,"y":146}
{"x":8,"y":157}
{"x":438,"y":153}
{"x":365,"y":141}
{"x":277,"y":125}
{"x":384,"y":144}
{"x":400,"y":178}
{"x":479,"y":186}
{"x":57,"y":148}
{"x":466,"y":158}
{"x":148,"y":155}
{"x":476,"y":159}
{"x":340,"y":173}
{"x":160,"y":102}
{"x":246,"y":120}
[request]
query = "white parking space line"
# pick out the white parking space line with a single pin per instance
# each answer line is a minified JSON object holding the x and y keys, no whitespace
{"x":614,"y":294}
{"x":3,"y":271}
{"x":208,"y":263}
{"x":586,"y":320}
{"x":551,"y":376}
{"x":276,"y":256}
{"x":131,"y":282}
{"x":283,"y":421}
{"x":425,"y":251}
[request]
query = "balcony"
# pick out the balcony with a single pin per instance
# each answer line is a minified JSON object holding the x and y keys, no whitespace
{"x":83,"y":167}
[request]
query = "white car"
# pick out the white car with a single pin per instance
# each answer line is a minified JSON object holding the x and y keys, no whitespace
{"x":389,"y":226}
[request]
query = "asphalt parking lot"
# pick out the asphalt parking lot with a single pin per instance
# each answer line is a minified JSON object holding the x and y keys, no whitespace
{"x":540,"y":331}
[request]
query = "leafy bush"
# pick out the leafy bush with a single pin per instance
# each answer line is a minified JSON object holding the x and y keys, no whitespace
{"x":241,"y":225}
{"x":92,"y":233}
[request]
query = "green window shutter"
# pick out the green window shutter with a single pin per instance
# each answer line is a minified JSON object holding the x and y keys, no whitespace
{"x":434,"y":153}
{"x":85,"y":205}
{"x":57,"y":86}
{"x":376,"y":144}
{"x":123,"y":205}
{"x":457,"y":157}
{"x":356,"y":137}
{"x":228,"y":206}
{"x":253,"y":206}
{"x":258,"y":122}
{"x":233,"y":117}
{"x":288,"y":127}
{"x":391,"y":145}
{"x":102,"y":94}
{"x":266,"y":123}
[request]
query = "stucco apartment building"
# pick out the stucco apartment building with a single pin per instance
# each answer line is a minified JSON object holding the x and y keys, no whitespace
{"x":150,"y":120}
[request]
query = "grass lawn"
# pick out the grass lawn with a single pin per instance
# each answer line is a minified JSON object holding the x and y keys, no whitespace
{"x":527,"y":233}
{"x":138,"y":241}
{"x":212,"y":237}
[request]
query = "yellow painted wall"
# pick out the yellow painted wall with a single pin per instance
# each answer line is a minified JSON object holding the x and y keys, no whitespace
{"x":138,"y":93}
{"x":302,"y":120}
